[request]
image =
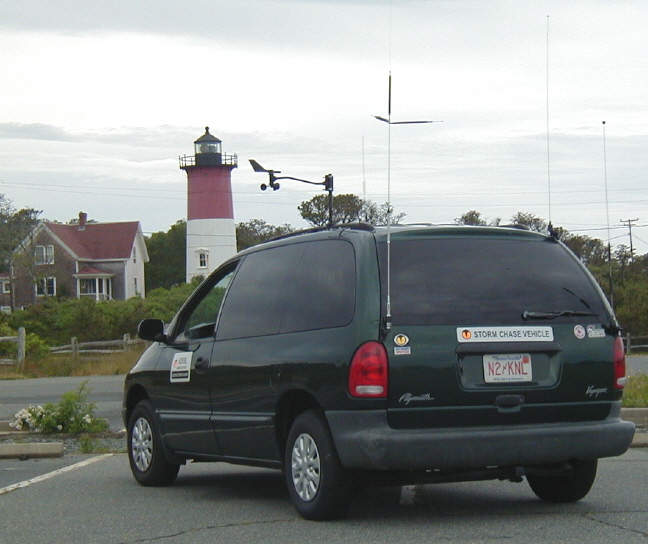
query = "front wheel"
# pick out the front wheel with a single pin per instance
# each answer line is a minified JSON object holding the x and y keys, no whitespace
{"x":147,"y":460}
{"x":569,"y":487}
{"x":319,"y":486}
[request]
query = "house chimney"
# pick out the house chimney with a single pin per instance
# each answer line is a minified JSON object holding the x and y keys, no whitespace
{"x":83,"y":218}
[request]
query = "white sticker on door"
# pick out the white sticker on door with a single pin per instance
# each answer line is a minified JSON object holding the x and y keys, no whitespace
{"x":181,"y":367}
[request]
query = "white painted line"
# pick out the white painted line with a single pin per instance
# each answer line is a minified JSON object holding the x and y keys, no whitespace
{"x":49,"y":475}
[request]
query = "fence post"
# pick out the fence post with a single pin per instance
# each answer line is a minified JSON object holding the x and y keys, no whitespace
{"x":75,"y":348}
{"x":628,"y":347}
{"x":20,"y":356}
{"x":126,"y":341}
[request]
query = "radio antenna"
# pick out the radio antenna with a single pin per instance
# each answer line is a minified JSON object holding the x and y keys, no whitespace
{"x":607,"y":215}
{"x":388,"y":120}
{"x":548,"y":149}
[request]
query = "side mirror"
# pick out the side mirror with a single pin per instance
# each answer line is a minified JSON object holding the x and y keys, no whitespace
{"x":152,"y":329}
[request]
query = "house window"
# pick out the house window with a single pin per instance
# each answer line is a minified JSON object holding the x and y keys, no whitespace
{"x":46,"y":287}
{"x":44,"y":254}
{"x":134,"y":254}
{"x":202,"y":260}
{"x":6,"y":287}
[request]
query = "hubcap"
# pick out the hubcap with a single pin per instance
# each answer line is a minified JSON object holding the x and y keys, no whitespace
{"x":142,"y":444}
{"x":305,"y":467}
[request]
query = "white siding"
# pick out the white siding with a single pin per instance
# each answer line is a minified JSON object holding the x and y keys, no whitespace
{"x":216,"y":237}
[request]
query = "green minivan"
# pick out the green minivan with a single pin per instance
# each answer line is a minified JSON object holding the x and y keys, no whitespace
{"x":415,"y":354}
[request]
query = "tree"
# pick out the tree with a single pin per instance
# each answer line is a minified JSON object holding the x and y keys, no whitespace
{"x":256,"y":231}
{"x":347,"y":208}
{"x":591,"y":251}
{"x":16,"y":229}
{"x":532,"y":222}
{"x":470,"y":218}
{"x":474,"y":217}
{"x":167,"y":254}
{"x":15,"y":226}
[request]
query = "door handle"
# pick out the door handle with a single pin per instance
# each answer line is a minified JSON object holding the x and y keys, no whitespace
{"x":201,"y":365}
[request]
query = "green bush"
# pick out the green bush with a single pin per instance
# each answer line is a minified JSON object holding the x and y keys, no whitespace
{"x":56,"y":322}
{"x":35,"y":347}
{"x":72,"y":415}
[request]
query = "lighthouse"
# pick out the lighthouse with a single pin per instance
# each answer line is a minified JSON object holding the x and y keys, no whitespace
{"x":211,"y":233}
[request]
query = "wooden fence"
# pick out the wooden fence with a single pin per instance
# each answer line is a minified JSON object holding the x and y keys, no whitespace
{"x":635,"y":342}
{"x":19,"y":361}
{"x":77,"y":348}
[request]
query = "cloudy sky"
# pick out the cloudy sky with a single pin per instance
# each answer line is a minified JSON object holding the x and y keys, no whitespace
{"x":98,"y":99}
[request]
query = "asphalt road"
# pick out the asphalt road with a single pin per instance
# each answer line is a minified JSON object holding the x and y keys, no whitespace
{"x":106,"y":392}
{"x":217,"y":503}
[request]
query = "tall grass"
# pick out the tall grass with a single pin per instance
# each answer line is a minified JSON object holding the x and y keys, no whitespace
{"x":116,"y":363}
{"x":635,"y":394}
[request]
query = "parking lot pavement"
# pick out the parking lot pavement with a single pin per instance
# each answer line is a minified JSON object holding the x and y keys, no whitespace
{"x":99,"y":502}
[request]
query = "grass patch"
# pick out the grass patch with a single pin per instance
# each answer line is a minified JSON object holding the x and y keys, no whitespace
{"x":635,"y":394}
{"x":103,"y":364}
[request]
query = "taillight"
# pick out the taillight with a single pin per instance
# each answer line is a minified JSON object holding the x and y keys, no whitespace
{"x":619,"y":364}
{"x":368,"y":373}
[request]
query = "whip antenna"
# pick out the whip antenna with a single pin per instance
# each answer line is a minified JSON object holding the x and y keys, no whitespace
{"x":388,"y":120}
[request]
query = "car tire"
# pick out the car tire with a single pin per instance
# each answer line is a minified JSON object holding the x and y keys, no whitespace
{"x":148,"y":463}
{"x":319,"y":486}
{"x":566,"y":488}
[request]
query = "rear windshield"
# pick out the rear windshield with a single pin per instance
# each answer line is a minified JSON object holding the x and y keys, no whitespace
{"x":486,"y":281}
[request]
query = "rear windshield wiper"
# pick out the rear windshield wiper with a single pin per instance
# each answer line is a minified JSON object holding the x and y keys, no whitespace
{"x":553,"y":315}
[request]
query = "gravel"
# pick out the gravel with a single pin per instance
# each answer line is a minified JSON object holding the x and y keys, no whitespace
{"x":108,"y":442}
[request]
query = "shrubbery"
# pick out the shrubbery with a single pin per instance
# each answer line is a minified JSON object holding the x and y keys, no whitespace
{"x":73,"y":414}
{"x":53,"y":322}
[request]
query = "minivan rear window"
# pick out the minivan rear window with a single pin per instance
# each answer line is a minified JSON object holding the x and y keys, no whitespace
{"x":486,"y":281}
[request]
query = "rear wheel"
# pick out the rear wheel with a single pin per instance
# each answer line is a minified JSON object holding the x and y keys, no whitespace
{"x":147,"y":460}
{"x":319,"y":486}
{"x":569,"y":487}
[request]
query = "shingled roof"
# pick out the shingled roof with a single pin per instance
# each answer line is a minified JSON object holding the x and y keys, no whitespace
{"x":97,"y":241}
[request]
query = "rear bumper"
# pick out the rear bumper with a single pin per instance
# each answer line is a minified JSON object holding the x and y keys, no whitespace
{"x":364,"y":440}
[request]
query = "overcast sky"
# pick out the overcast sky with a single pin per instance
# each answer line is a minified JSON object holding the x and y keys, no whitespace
{"x":98,"y":99}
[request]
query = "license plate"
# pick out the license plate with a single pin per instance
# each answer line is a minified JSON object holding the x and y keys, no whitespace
{"x":508,"y":368}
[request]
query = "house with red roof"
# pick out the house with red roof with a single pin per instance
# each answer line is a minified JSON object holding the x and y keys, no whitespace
{"x":101,"y":261}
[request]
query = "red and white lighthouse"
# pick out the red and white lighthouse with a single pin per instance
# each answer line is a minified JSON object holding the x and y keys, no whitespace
{"x":211,"y":232}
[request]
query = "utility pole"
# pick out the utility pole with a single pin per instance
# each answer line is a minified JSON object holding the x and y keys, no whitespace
{"x":630,"y":223}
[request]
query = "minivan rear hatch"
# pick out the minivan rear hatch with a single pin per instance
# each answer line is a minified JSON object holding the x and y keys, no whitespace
{"x":494,"y":326}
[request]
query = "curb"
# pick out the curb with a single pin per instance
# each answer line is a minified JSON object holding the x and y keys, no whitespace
{"x":32,"y":450}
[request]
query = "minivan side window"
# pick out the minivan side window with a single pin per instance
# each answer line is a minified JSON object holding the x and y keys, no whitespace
{"x":200,"y":321}
{"x":297,"y":287}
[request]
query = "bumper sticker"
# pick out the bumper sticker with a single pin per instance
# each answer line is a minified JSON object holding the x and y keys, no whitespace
{"x":505,"y":334}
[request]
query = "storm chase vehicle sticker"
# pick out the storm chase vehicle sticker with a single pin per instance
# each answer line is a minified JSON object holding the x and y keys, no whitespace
{"x":505,"y":334}
{"x":181,"y":367}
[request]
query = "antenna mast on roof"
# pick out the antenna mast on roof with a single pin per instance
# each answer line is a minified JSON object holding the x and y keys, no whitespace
{"x":548,"y":149}
{"x":389,"y":122}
